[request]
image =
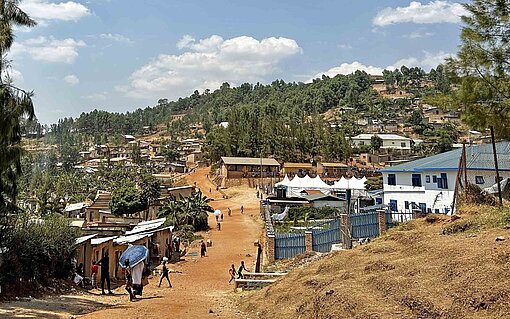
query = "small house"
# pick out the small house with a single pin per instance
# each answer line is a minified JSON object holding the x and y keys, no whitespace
{"x":243,"y":167}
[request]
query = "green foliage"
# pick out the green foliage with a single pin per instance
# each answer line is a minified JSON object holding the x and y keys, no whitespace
{"x":191,"y":211}
{"x":127,"y":200}
{"x":483,"y":66}
{"x":376,"y":142}
{"x":37,"y":250}
{"x":307,"y":213}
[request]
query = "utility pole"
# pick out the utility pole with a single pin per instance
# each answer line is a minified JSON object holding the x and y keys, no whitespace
{"x":464,"y":167}
{"x":496,"y":166}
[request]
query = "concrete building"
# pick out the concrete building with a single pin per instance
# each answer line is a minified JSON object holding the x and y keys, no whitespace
{"x":390,"y":141}
{"x":243,"y":167}
{"x":428,"y":184}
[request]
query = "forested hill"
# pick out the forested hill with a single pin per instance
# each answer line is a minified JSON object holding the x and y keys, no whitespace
{"x":283,"y":120}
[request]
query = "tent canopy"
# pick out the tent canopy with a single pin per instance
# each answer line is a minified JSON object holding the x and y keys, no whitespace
{"x":351,"y":183}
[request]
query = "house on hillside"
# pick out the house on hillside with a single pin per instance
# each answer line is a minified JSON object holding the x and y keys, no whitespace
{"x":435,"y":115}
{"x":300,"y":169}
{"x":390,"y":141}
{"x":332,"y":170}
{"x":429,"y":183}
{"x":243,"y":167}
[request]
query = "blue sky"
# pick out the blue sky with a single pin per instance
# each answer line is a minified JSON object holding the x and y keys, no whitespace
{"x":119,"y":55}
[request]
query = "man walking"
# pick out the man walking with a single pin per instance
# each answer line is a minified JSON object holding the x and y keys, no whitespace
{"x":240,"y":270}
{"x":105,"y":273}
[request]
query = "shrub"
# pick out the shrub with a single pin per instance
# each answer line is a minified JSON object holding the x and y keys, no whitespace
{"x":37,"y":250}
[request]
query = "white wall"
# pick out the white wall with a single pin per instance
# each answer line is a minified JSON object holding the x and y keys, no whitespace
{"x":429,"y":193}
{"x":387,"y":143}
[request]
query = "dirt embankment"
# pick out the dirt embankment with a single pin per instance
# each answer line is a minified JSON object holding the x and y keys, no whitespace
{"x":424,"y":269}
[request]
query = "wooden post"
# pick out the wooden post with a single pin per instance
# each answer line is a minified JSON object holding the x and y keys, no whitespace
{"x":464,"y":161}
{"x":496,"y":166}
{"x":345,"y":231}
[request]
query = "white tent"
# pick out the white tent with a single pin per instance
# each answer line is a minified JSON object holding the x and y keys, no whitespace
{"x":285,"y":182}
{"x":298,"y":184}
{"x":351,"y":183}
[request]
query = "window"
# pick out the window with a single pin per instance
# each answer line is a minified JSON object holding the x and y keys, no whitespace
{"x":361,"y":143}
{"x":442,"y":182}
{"x":427,"y":179}
{"x":378,"y":201}
{"x":423,"y":207}
{"x":393,"y":205}
{"x":406,"y":205}
{"x":416,"y":180}
{"x":403,"y":144}
{"x":434,"y":179}
{"x":392,"y":179}
{"x":479,"y":180}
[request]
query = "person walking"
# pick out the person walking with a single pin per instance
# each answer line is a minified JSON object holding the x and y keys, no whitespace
{"x":229,"y":212}
{"x":105,"y":273}
{"x":93,"y":273}
{"x":218,"y":225}
{"x":221,"y":217}
{"x":240,"y":270}
{"x":242,"y":209}
{"x":164,"y":274}
{"x":203,"y":249}
{"x":129,"y":280}
{"x":232,"y":273}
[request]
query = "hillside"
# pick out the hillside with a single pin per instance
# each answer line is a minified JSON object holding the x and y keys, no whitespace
{"x":413,"y":271}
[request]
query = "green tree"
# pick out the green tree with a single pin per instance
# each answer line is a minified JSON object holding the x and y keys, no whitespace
{"x":483,"y":65}
{"x":376,"y":142}
{"x":127,"y":200}
{"x":15,"y":104}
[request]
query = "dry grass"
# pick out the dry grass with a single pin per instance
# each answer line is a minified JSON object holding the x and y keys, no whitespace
{"x":416,"y":270}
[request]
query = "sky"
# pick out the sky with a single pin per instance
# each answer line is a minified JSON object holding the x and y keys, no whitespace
{"x":120,"y":55}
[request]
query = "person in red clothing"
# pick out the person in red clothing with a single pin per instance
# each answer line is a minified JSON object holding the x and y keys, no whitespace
{"x":94,"y":271}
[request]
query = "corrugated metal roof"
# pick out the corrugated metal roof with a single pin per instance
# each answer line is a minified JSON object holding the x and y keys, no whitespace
{"x":478,"y":157}
{"x":382,"y":136}
{"x":76,"y":206}
{"x":315,"y":197}
{"x":250,"y":161}
{"x":98,"y":241}
{"x":297,"y":165}
{"x":83,"y":239}
{"x":146,"y":226}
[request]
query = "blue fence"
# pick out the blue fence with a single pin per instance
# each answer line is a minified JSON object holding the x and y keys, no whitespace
{"x":326,"y":236}
{"x":288,"y":245}
{"x":364,"y":225}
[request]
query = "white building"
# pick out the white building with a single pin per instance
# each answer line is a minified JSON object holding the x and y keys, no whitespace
{"x":429,"y":183}
{"x":390,"y":141}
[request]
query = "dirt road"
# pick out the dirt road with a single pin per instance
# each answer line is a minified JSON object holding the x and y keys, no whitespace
{"x":201,"y":291}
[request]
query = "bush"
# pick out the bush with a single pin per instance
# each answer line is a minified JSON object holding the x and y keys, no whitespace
{"x":310,"y":213}
{"x":37,"y":250}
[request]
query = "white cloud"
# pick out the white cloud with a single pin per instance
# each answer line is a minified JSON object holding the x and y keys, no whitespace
{"x":418,"y":34}
{"x":42,"y":10}
{"x":72,"y":79}
{"x":348,"y":68}
{"x":13,"y":75}
{"x":433,"y":12}
{"x":427,"y":62}
{"x":116,"y":37}
{"x":48,"y":49}
{"x":207,"y":63}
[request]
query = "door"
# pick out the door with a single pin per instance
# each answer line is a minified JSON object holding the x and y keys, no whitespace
{"x":423,"y":207}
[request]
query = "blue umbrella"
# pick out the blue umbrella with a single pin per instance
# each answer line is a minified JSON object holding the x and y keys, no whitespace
{"x":135,"y":254}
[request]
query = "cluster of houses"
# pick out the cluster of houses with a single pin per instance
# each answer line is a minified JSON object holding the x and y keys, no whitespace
{"x":104,"y":233}
{"x":190,"y":155}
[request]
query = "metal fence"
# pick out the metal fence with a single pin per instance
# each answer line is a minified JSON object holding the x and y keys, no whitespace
{"x":288,"y":245}
{"x":364,"y":225}
{"x":326,"y":236}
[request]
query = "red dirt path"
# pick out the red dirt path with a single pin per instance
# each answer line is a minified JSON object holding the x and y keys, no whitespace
{"x":203,"y":286}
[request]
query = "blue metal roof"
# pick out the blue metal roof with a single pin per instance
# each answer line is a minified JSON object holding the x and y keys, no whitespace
{"x":479,"y":157}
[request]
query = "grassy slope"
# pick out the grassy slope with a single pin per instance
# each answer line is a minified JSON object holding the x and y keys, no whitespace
{"x":413,"y":271}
